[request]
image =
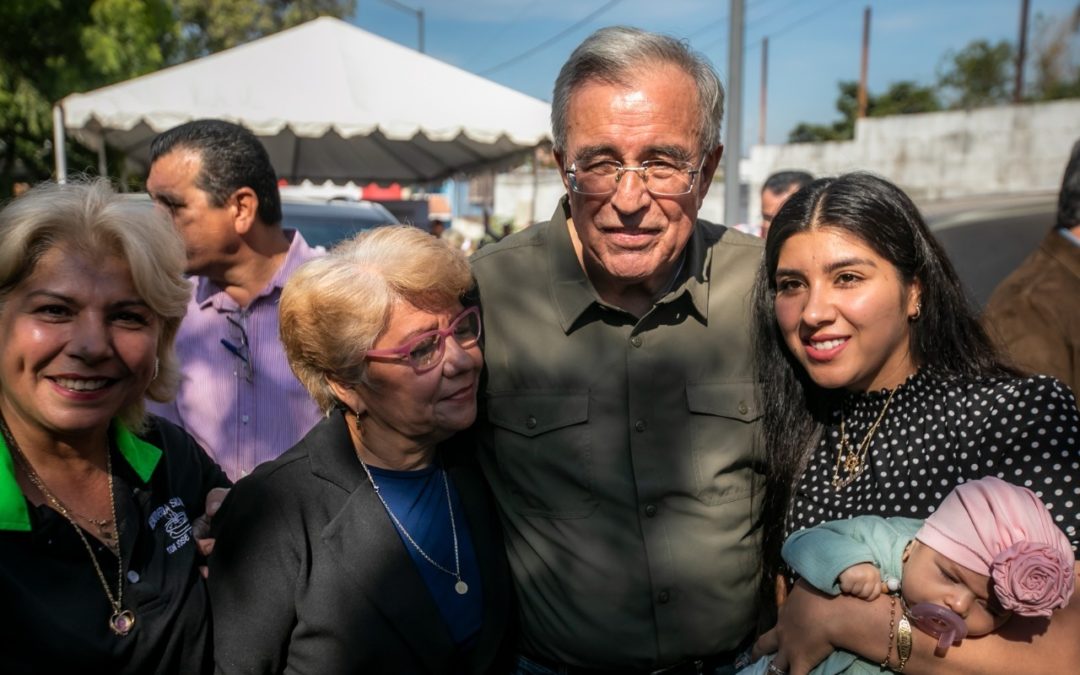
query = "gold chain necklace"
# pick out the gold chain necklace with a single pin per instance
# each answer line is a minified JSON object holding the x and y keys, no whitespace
{"x":122,"y":620}
{"x":854,"y":463}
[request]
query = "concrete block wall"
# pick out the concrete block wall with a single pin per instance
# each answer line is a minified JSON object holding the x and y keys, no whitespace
{"x":1005,"y":150}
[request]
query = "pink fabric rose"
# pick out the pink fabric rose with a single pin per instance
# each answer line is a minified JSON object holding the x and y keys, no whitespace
{"x":1032,"y":579}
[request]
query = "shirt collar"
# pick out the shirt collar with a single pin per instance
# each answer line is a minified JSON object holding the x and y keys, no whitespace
{"x":141,"y":456}
{"x":574,"y":293}
{"x":207,"y":292}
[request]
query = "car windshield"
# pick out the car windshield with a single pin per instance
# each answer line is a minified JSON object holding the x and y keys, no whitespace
{"x":327,"y":224}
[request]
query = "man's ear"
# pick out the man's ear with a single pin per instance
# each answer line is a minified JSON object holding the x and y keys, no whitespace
{"x":559,"y":157}
{"x":245,"y":205}
{"x":708,"y":170}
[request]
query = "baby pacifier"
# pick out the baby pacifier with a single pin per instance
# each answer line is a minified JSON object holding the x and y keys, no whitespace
{"x":941,"y":622}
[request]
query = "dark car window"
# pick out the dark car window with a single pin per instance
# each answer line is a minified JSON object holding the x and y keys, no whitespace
{"x":327,"y":224}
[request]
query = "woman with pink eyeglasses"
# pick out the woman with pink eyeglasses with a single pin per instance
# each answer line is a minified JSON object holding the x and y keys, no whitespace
{"x":371,"y":545}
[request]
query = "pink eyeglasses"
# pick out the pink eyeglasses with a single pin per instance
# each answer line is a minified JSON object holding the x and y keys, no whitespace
{"x":425,"y":351}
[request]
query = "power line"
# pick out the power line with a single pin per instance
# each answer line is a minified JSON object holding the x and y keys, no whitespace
{"x":798,"y":22}
{"x":552,"y":40}
{"x":526,"y":5}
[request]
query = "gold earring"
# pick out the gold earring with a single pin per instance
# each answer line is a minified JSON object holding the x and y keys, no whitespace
{"x":359,"y":426}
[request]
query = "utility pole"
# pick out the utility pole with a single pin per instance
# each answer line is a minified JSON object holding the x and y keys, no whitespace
{"x":865,"y":62}
{"x":419,"y":13}
{"x":1018,"y":88}
{"x":733,"y":140}
{"x":763,"y":105}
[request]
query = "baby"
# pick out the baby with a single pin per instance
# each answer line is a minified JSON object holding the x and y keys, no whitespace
{"x":991,"y":550}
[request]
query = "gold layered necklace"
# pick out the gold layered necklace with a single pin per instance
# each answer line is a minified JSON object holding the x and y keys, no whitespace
{"x":854,"y":461}
{"x":122,"y":620}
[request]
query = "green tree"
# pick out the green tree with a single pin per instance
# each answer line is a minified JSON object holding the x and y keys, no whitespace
{"x":980,"y":74}
{"x":52,"y":48}
{"x":1057,"y":62}
{"x":901,"y":98}
{"x":210,"y":26}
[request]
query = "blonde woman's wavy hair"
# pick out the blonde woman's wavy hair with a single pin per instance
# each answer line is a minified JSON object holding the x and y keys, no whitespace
{"x":89,"y":216}
{"x":335,"y":307}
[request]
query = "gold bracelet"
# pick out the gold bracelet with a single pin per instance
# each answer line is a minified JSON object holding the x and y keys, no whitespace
{"x":892,"y":623}
{"x":903,"y":642}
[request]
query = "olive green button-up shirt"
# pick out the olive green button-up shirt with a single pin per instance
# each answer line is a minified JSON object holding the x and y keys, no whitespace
{"x":622,"y":452}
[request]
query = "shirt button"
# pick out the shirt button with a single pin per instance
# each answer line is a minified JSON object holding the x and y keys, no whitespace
{"x":663,"y":597}
{"x":531,"y":422}
{"x":244,"y":419}
{"x":650,"y":510}
{"x":640,"y":425}
{"x":743,"y":408}
{"x":636,"y":340}
{"x":133,"y":576}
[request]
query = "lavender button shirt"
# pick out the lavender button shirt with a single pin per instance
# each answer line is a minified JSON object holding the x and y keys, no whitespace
{"x":241,"y":415}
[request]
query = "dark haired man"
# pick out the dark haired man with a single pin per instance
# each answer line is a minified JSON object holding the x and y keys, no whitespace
{"x":778,"y":187}
{"x":1035,"y":313}
{"x":237,"y":396}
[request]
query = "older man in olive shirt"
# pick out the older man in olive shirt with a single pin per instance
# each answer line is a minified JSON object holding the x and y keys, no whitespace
{"x":621,"y":423}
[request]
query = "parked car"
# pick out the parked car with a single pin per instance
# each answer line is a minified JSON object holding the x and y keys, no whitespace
{"x":325,"y":223}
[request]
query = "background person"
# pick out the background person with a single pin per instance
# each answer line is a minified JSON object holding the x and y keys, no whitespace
{"x":97,"y":560}
{"x":621,"y":428}
{"x":776,"y":190}
{"x":372,"y":545}
{"x":1034,"y":315}
{"x":881,"y":393}
{"x":237,"y":396}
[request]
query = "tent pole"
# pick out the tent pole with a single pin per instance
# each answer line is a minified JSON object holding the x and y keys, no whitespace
{"x":58,"y":144}
{"x":102,"y":163}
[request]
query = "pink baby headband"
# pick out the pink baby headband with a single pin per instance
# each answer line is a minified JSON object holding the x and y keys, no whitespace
{"x":1004,"y":531}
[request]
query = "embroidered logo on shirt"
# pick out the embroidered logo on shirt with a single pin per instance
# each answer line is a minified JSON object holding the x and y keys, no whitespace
{"x":177,"y":525}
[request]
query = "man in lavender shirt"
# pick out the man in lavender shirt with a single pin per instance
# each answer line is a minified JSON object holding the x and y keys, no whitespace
{"x":237,"y":395}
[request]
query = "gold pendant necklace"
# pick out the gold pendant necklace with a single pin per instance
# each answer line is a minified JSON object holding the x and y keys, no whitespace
{"x":122,"y":620}
{"x":854,"y":462}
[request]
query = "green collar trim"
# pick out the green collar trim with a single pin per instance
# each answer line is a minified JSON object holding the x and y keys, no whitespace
{"x":14,"y":515}
{"x":140,"y":455}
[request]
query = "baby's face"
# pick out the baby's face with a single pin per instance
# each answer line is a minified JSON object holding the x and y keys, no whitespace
{"x":931,"y":577}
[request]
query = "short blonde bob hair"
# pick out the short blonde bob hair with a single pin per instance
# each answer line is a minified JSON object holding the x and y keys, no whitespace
{"x":335,"y":307}
{"x":88,"y":216}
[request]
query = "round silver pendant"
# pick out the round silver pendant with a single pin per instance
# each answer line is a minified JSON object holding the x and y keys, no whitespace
{"x":461,"y":587}
{"x":122,"y":622}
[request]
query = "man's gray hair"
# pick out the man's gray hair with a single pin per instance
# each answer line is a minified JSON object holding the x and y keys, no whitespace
{"x":616,"y":54}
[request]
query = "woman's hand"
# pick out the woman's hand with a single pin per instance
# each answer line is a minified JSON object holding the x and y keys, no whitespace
{"x":201,"y":527}
{"x":801,"y":638}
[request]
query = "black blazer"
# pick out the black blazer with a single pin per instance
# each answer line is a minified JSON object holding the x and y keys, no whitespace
{"x":309,"y":575}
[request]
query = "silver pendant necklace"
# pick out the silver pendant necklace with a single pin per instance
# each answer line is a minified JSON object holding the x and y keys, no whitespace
{"x":459,"y":586}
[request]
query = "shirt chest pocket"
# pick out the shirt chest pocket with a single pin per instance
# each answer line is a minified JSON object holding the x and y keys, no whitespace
{"x":543,"y":449}
{"x":723,"y":438}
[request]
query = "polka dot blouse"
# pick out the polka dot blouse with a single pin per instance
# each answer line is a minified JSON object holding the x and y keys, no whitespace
{"x":940,"y":431}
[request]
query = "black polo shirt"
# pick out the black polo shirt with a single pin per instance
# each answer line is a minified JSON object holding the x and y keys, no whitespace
{"x":55,"y":612}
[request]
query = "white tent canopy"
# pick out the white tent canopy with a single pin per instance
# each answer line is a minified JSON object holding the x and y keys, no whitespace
{"x":329,"y":101}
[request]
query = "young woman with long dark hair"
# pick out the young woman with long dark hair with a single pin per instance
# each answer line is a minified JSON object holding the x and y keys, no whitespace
{"x":881,"y":392}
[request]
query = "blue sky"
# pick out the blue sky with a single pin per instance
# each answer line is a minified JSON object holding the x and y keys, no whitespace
{"x":813,"y":44}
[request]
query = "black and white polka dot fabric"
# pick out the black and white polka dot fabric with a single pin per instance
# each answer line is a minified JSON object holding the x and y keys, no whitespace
{"x":941,"y":431}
